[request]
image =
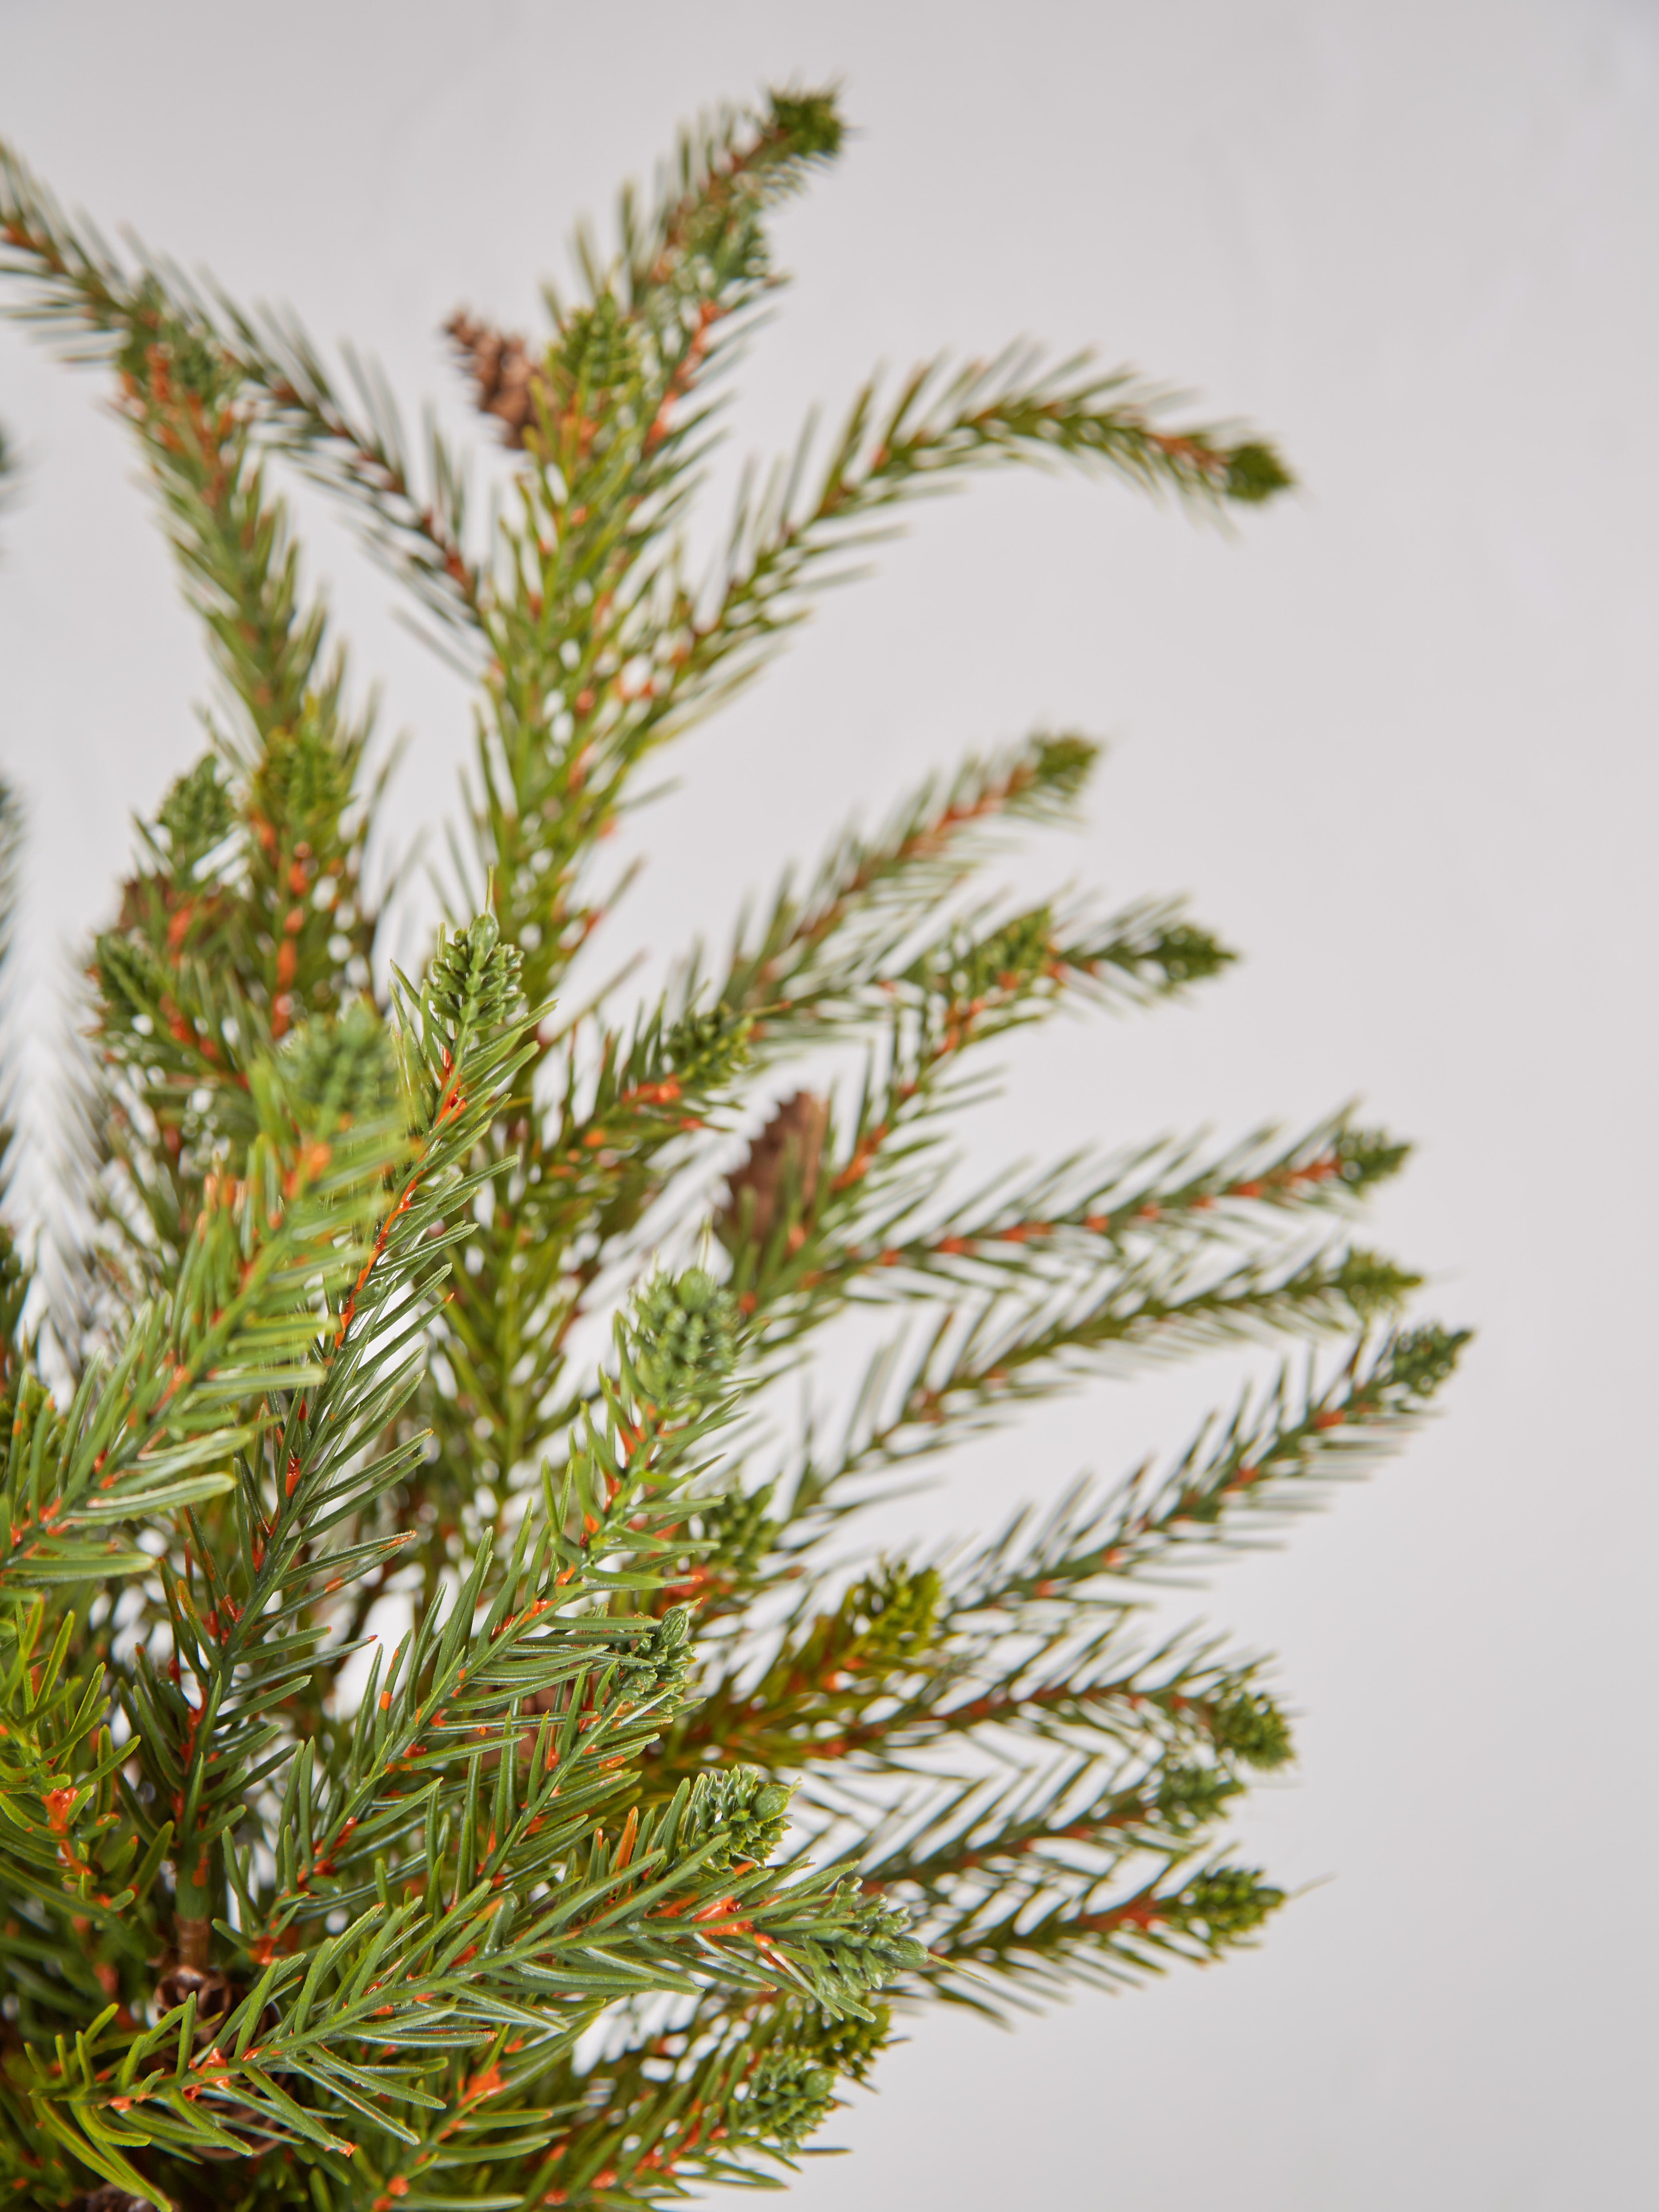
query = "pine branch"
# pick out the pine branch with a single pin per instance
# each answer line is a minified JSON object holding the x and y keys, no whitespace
{"x":1275,"y":1454}
{"x":783,"y":549}
{"x":703,"y":240}
{"x":499,"y":1911}
{"x":413,"y":518}
{"x":701,"y":2104}
{"x":964,"y":990}
{"x":216,"y":949}
{"x":847,"y":1695}
{"x":1080,"y":1214}
{"x":981,"y":978}
{"x":585,"y":1175}
{"x":1040,"y":1844}
{"x":869,"y":896}
{"x":76,"y":290}
{"x":131,"y":1442}
{"x":1193,"y":1916}
{"x":968,"y":1375}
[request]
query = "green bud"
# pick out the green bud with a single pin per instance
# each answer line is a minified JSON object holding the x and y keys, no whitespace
{"x":472,"y":983}
{"x":850,"y":2045}
{"x":737,"y":1804}
{"x":1187,"y":955}
{"x":306,"y":780}
{"x":865,"y":1945}
{"x":195,"y":814}
{"x":1421,"y":1361}
{"x":704,"y":1051}
{"x":787,"y":2096}
{"x":1063,"y":765}
{"x":737,"y":1529}
{"x":658,"y":1657}
{"x":686,"y":1333}
{"x":598,"y":349}
{"x":810,"y":123}
{"x":1373,"y":1285}
{"x":1223,"y":1904}
{"x":1254,"y":473}
{"x":338,"y":1072}
{"x":130,"y":979}
{"x":1250,"y":1728}
{"x":1189,"y":1797}
{"x":893,"y":1613}
{"x":1366,"y":1156}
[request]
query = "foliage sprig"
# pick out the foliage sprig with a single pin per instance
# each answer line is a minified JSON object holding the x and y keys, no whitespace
{"x":452,"y":1751}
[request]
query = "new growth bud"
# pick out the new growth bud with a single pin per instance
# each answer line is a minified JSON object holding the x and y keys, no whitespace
{"x":195,"y":814}
{"x":745,"y":1812}
{"x":686,"y":1333}
{"x":658,"y":1657}
{"x":473,"y":981}
{"x":789,"y":2094}
{"x":341,"y":1073}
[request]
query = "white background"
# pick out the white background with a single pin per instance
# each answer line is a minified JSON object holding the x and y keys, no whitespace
{"x":1397,"y":738}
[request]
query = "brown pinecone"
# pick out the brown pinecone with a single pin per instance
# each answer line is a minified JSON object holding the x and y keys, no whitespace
{"x":782,"y":1165}
{"x":502,"y":371}
{"x":216,"y":1995}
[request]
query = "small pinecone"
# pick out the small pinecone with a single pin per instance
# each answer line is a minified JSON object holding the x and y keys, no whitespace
{"x":216,"y":1995}
{"x":782,"y":1162}
{"x":502,"y":370}
{"x":108,"y":2198}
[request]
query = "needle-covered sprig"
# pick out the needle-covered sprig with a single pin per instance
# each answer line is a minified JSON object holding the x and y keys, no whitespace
{"x":452,"y":1751}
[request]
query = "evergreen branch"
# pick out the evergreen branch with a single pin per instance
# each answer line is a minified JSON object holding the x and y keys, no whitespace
{"x":1243,"y":1473}
{"x":970,"y":1371}
{"x":644,"y":659}
{"x":703,"y":240}
{"x":181,"y":393}
{"x":267,"y":367}
{"x":1197,"y":1916}
{"x":1081,"y":1217}
{"x":399,"y":1976}
{"x":309,"y":1473}
{"x":964,"y":990}
{"x":418,"y":529}
{"x":850,"y":929}
{"x":490,"y":1913}
{"x":1064,"y":1832}
{"x":907,"y":1662}
{"x":75,"y":285}
{"x":584,"y":1177}
{"x":1275,"y":1454}
{"x":782,"y":549}
{"x":749,"y":2082}
{"x":246,"y":934}
{"x":149,"y":1433}
{"x":981,"y":978}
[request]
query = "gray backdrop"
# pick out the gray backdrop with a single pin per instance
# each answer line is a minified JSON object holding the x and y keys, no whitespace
{"x":1396,"y":737}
